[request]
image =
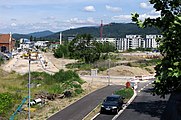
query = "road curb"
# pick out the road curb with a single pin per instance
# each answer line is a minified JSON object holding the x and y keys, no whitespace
{"x":129,"y":102}
{"x":95,"y":116}
{"x":90,"y":113}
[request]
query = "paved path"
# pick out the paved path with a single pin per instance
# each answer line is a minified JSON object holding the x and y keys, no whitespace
{"x":145,"y":106}
{"x":81,"y":108}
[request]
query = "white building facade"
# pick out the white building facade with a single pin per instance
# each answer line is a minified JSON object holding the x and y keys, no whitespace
{"x":133,"y":42}
{"x":150,"y":41}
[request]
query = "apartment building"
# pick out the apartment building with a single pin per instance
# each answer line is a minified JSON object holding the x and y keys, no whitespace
{"x":130,"y":42}
{"x":112,"y":40}
{"x":150,"y":41}
{"x":133,"y":41}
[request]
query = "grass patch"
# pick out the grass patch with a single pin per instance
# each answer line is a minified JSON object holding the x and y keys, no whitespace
{"x":127,"y":93}
{"x":144,"y":63}
{"x":17,"y":86}
{"x":80,"y":66}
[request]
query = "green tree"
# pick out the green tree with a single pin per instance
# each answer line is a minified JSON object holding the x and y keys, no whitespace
{"x":105,"y":47}
{"x":61,"y":51}
{"x":82,"y":48}
{"x":168,"y":71}
{"x":34,"y":39}
{"x":31,"y":38}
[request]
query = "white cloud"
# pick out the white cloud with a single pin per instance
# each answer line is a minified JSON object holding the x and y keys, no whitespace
{"x":77,"y":21}
{"x":143,"y":16}
{"x":126,"y":18}
{"x":89,"y":8}
{"x":154,"y":12}
{"x":145,"y":5}
{"x":113,"y":9}
{"x":13,"y":24}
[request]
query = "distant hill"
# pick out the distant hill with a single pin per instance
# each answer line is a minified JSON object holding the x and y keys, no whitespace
{"x":35,"y":34}
{"x":116,"y":30}
{"x":17,"y":36}
{"x":41,"y":34}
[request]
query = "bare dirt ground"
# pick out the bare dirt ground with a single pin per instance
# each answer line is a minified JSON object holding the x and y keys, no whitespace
{"x":125,"y":71}
{"x":53,"y":107}
{"x":20,"y":65}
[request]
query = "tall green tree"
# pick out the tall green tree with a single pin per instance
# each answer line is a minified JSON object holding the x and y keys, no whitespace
{"x":82,"y":48}
{"x":31,"y":38}
{"x":105,"y":47}
{"x":168,"y":71}
{"x":62,"y":51}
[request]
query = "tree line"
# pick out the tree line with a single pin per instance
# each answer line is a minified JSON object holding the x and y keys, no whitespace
{"x":83,"y":48}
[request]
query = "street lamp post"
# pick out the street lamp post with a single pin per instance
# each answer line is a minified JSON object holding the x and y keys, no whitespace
{"x":29,"y":85}
{"x":108,"y":72}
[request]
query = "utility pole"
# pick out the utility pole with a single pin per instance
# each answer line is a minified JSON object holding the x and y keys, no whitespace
{"x":101,"y":29}
{"x":29,"y":85}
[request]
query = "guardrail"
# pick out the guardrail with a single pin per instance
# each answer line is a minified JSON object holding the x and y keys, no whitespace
{"x":142,"y":77}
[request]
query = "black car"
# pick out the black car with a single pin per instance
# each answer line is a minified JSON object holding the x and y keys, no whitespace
{"x":112,"y":104}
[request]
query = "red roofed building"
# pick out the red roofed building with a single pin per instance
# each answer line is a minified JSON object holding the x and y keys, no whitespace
{"x":7,"y":43}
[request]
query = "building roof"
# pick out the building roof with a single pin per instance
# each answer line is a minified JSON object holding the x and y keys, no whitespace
{"x":4,"y":38}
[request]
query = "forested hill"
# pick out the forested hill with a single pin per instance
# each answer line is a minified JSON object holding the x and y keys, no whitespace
{"x":111,"y":30}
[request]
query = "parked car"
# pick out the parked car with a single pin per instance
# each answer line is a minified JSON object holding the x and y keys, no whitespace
{"x":112,"y":104}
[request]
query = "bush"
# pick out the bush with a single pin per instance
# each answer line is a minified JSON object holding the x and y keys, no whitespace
{"x":126,"y":92}
{"x":78,"y":91}
{"x":102,"y":68}
{"x":56,"y":88}
{"x":80,"y":66}
{"x":6,"y":104}
{"x":1,"y":60}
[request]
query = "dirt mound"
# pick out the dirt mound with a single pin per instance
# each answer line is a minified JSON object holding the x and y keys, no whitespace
{"x":125,"y":71}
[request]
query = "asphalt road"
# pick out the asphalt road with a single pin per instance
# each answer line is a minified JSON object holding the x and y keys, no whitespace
{"x":81,"y":108}
{"x":109,"y":116}
{"x":145,"y":106}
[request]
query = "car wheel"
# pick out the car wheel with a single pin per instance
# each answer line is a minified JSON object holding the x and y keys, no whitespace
{"x":101,"y":111}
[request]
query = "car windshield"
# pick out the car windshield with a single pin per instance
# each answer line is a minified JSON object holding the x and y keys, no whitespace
{"x":111,"y":99}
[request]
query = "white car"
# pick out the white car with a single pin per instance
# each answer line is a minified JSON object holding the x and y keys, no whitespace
{"x":134,"y":84}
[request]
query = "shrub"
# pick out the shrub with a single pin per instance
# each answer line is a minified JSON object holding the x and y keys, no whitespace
{"x":6,"y":100}
{"x":102,"y":68}
{"x":78,"y":91}
{"x":126,"y":92}
{"x":56,"y":88}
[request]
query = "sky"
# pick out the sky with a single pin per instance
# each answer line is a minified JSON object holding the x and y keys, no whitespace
{"x":27,"y":16}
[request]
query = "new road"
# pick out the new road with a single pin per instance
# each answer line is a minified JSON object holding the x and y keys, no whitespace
{"x":144,"y":107}
{"x":81,"y":108}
